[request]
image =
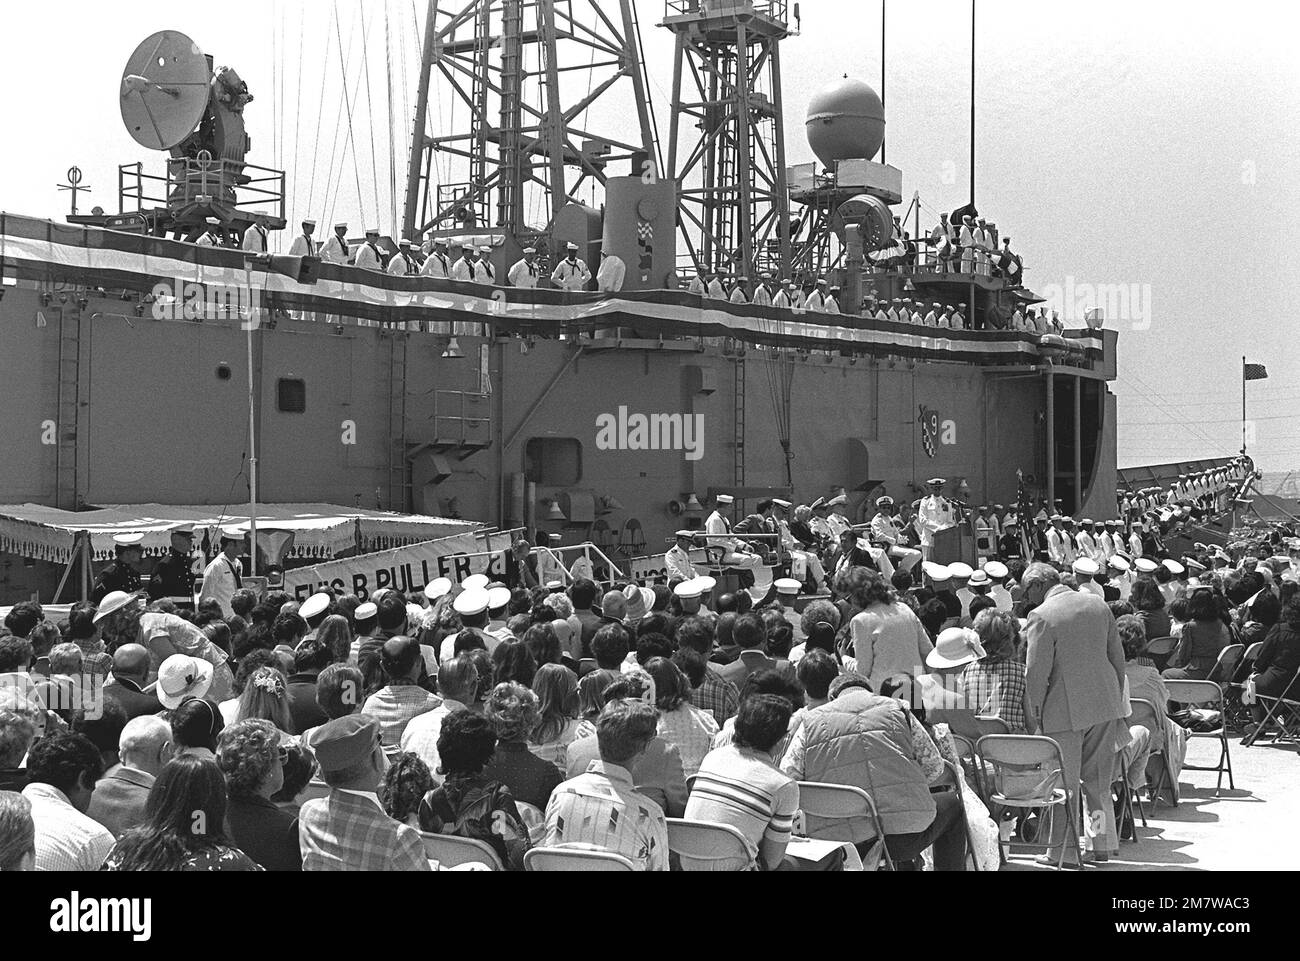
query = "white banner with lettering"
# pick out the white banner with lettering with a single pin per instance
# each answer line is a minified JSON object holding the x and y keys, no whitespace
{"x":406,"y":568}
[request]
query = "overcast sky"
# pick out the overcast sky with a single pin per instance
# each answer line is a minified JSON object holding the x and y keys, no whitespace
{"x":1145,"y":144}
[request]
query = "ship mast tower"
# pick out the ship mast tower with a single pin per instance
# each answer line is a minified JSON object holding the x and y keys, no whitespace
{"x":726,"y":147}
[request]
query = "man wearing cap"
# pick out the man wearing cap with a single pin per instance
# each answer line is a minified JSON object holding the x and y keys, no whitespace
{"x":1135,"y":541}
{"x":225,"y":573}
{"x":1085,"y":544}
{"x":173,"y":576}
{"x":612,"y":273}
{"x":795,"y":541}
{"x":349,"y":830}
{"x":1074,"y":679}
{"x":255,"y":237}
{"x":524,"y":273}
{"x":1009,"y":545}
{"x":677,"y":561}
{"x":934,"y":514}
{"x":1120,"y":583}
{"x":1056,"y":540}
{"x":467,"y":270}
{"x":1085,"y":572}
{"x":437,"y":265}
{"x":699,"y":284}
{"x":763,"y":292}
{"x":966,"y":238}
{"x":736,"y":553}
{"x":885,"y":532}
{"x":571,"y":273}
{"x":998,"y":573}
{"x":211,"y":236}
{"x":336,"y":250}
{"x":303,"y":245}
{"x":716,"y":288}
{"x":487,"y":273}
{"x":121,"y":574}
{"x":738,"y":295}
{"x":816,"y":298}
{"x":403,"y":262}
{"x":369,"y":254}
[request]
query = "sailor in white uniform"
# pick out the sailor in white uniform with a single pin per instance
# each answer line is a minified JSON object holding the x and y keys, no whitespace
{"x":737,"y":553}
{"x":336,"y":249}
{"x":738,"y":291}
{"x":255,"y":237}
{"x":677,"y":561}
{"x":885,"y":530}
{"x":698,"y":284}
{"x":524,"y":273}
{"x":1085,"y":571}
{"x":212,"y":236}
{"x":369,"y":255}
{"x":403,"y":263}
{"x":612,"y":273}
{"x":816,"y":301}
{"x":763,"y":292}
{"x":467,"y":270}
{"x":1084,"y":542}
{"x":967,"y":240}
{"x":1135,"y":542}
{"x":303,"y":245}
{"x":486,"y":272}
{"x":934,"y":514}
{"x":437,"y":265}
{"x":831,"y":302}
{"x":717,"y":286}
{"x":782,"y":297}
{"x":795,"y":295}
{"x":958,"y":319}
{"x":571,"y":273}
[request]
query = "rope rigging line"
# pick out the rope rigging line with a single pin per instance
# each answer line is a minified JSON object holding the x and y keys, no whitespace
{"x":351,"y":138}
{"x":320,"y":117}
{"x":370,"y":115}
{"x":297,"y":113}
{"x":392,"y":121}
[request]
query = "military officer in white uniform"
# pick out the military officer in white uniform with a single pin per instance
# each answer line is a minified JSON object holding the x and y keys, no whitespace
{"x":336,"y":249}
{"x":678,"y":559}
{"x":369,"y":254}
{"x":571,"y":273}
{"x":885,"y":530}
{"x":303,"y":245}
{"x":524,"y":273}
{"x":737,"y":553}
{"x":437,"y":265}
{"x":934,"y":514}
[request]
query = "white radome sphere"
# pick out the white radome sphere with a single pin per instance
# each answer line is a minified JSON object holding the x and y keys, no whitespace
{"x":846,"y":121}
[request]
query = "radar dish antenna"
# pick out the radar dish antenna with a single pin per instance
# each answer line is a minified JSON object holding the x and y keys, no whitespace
{"x":165,"y":90}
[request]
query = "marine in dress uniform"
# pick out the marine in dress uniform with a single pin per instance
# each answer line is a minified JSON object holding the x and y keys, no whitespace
{"x":678,"y":559}
{"x":336,"y":250}
{"x":571,"y":273}
{"x":120,"y":574}
{"x":303,"y":245}
{"x":737,"y":554}
{"x":934,"y":514}
{"x":174,"y":575}
{"x":524,"y":273}
{"x":369,"y":254}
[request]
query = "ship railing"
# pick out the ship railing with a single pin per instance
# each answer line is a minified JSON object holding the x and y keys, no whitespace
{"x":773,"y":9}
{"x":205,"y":183}
{"x":457,"y":427}
{"x":589,"y":552}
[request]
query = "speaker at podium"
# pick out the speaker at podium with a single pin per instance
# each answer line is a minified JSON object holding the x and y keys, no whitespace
{"x":954,"y":544}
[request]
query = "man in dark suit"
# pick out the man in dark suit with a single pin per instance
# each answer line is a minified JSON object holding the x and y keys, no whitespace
{"x":1074,"y":679}
{"x":130,"y":674}
{"x":750,"y":635}
{"x":119,"y":798}
{"x":308,"y":661}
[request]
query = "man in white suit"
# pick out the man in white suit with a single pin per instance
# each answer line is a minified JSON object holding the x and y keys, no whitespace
{"x":1074,"y":678}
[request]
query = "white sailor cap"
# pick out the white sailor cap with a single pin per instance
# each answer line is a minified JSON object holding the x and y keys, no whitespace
{"x":498,"y":597}
{"x":372,"y":230}
{"x":783,"y":504}
{"x":440,"y":241}
{"x":127,"y":540}
{"x":1145,"y":565}
{"x":341,"y":225}
{"x":787,"y":585}
{"x":314,"y":605}
{"x":725,"y":499}
{"x":1085,"y":566}
{"x":936,"y":482}
{"x":959,"y":570}
{"x":485,"y":249}
{"x":554,"y":586}
{"x":1193,"y":564}
{"x":1173,"y":567}
{"x":309,"y":222}
{"x":884,"y":501}
{"x":688,"y":589}
{"x":996,"y":570}
{"x":1118,"y":563}
{"x":571,"y":246}
{"x":689,"y":535}
{"x":404,"y":242}
{"x":822,"y":281}
{"x":437,"y":588}
{"x":936,"y":572}
{"x":365,"y":612}
{"x":472,"y":601}
{"x":213,"y":221}
{"x":834,"y":288}
{"x":706,"y":583}
{"x":530,"y":250}
{"x":1086,"y":520}
{"x":980,"y":579}
{"x":476,"y":582}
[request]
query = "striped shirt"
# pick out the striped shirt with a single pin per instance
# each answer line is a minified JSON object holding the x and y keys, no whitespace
{"x":394,"y":707}
{"x":744,"y":789}
{"x":600,"y":810}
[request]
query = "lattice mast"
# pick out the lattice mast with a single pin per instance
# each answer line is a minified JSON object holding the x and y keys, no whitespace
{"x":525,"y":73}
{"x":726,"y":146}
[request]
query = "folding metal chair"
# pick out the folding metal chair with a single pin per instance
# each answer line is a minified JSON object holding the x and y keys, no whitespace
{"x":1145,"y":714}
{"x":1226,"y":664}
{"x":708,"y":846}
{"x":1285,"y":710}
{"x":1238,"y":714}
{"x":1209,"y":694}
{"x":1028,"y":773}
{"x":575,"y":859}
{"x":1159,"y":650}
{"x":449,"y":851}
{"x":1126,"y":818}
{"x":852,"y":816}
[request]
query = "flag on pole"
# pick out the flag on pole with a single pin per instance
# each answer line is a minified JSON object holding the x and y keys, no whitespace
{"x":1254,"y":372}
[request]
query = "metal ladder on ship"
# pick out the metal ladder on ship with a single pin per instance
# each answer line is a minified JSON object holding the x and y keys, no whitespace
{"x":69,"y":409}
{"x":399,"y":468}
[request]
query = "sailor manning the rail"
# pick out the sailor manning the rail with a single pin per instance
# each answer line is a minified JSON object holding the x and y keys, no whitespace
{"x":612,"y":273}
{"x":763,"y":292}
{"x":524,"y":272}
{"x":403,"y":264}
{"x":335,"y":250}
{"x":437,"y":265}
{"x":717,"y":287}
{"x":737,"y":554}
{"x":486,"y":272}
{"x":212,"y":236}
{"x":571,"y":273}
{"x":369,"y":256}
{"x":677,"y":561}
{"x":467,"y":269}
{"x":738,"y":291}
{"x":698,"y":285}
{"x":885,"y":530}
{"x":303,"y":245}
{"x":255,"y":237}
{"x":817,"y":298}
{"x":831,"y":302}
{"x":934,"y":514}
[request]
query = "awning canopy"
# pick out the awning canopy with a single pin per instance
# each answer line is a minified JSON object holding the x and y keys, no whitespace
{"x":321,"y":531}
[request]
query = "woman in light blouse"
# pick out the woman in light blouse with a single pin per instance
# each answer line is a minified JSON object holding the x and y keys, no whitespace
{"x":556,"y":688}
{"x":681,"y":722}
{"x":888,"y":638}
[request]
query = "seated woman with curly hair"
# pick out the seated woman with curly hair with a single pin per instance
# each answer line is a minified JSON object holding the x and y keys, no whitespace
{"x":888,"y":638}
{"x":469,"y":804}
{"x":819,"y":623}
{"x":251,"y":756}
{"x":512,"y":709}
{"x":405,"y":784}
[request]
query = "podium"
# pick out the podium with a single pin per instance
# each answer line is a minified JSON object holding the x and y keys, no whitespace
{"x":952,"y":545}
